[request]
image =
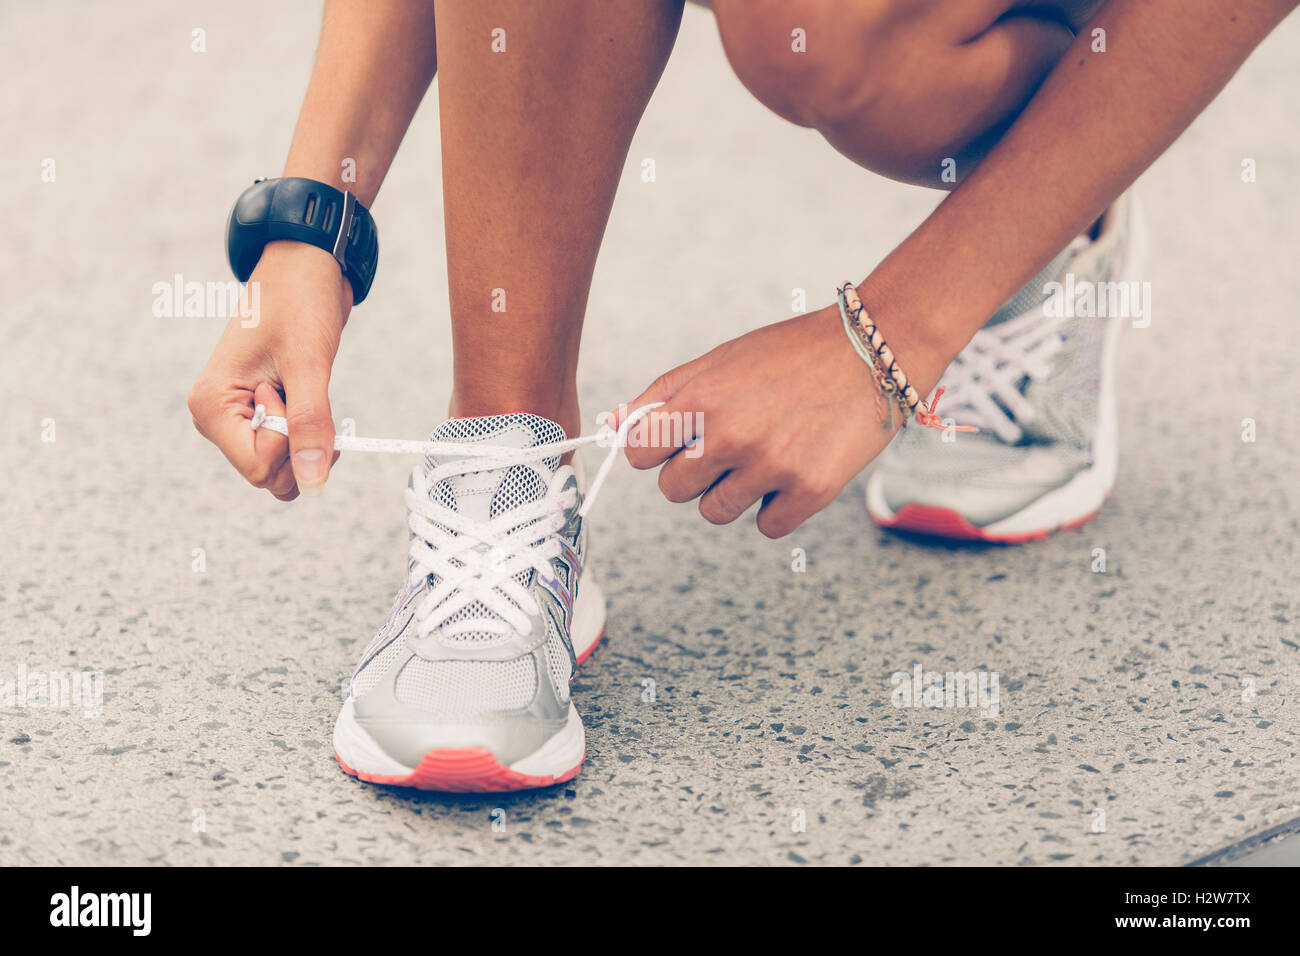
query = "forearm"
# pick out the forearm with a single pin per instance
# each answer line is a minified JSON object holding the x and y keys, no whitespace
{"x":374,"y":62}
{"x":1099,"y":120}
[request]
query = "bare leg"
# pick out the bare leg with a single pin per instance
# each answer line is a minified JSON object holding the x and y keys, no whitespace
{"x":533,"y":142}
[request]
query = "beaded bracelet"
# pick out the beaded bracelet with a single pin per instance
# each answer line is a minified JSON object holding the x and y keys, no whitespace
{"x":890,"y":378}
{"x":887,"y":396}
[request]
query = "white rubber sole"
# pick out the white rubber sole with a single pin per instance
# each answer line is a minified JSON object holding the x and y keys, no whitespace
{"x":588,"y":615}
{"x":566,"y":749}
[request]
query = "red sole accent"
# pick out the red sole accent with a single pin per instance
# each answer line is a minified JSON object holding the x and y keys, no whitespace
{"x":946,"y":523}
{"x":462,"y":770}
{"x":594,"y":644}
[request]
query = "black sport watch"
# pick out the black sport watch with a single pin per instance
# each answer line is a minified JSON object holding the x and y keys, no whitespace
{"x":305,"y":211}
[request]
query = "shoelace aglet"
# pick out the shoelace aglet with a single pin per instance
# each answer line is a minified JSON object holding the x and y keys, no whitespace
{"x":930,"y":418}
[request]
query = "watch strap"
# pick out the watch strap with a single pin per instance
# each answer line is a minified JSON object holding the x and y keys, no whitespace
{"x":304,"y":210}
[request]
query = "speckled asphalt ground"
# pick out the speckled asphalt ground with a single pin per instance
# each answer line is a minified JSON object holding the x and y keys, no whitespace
{"x":1162,"y":691}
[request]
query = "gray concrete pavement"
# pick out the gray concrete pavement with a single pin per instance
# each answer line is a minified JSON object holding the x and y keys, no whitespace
{"x":1162,"y":692}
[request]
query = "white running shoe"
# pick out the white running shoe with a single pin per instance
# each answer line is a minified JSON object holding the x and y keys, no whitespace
{"x":1041,"y":388}
{"x":466,"y":686}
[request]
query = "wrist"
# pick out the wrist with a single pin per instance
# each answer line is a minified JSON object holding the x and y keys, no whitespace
{"x":923,"y":346}
{"x":289,"y":257}
{"x":360,"y":182}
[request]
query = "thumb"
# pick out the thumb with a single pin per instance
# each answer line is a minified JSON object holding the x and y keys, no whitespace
{"x":643,"y":450}
{"x":311,"y":428}
{"x":662,"y":389}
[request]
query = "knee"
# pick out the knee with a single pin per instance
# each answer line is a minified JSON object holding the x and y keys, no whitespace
{"x":819,"y":64}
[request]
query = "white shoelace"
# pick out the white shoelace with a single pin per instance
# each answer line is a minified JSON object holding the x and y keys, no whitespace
{"x":478,"y":560}
{"x":983,"y":382}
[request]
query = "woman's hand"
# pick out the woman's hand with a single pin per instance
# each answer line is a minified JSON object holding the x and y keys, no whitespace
{"x":282,"y":362}
{"x":787,"y":414}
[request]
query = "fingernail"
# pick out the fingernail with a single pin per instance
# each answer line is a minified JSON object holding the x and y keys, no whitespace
{"x":309,"y":471}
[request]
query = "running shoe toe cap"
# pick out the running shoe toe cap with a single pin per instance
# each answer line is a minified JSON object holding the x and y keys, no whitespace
{"x":982,"y":488}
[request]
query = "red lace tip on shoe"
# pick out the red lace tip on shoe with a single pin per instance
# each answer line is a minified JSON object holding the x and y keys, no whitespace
{"x":930,"y":418}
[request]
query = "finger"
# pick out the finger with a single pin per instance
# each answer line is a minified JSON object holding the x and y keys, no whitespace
{"x":653,"y":433}
{"x":660,"y":390}
{"x":222,"y":414}
{"x":685,"y":477}
{"x":311,"y":429}
{"x":732,"y":496}
{"x":673,"y":428}
{"x":282,"y":484}
{"x":783,"y":511}
{"x":270,"y":449}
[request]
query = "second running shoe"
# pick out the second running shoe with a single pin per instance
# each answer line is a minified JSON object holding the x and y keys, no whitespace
{"x":1039,"y":382}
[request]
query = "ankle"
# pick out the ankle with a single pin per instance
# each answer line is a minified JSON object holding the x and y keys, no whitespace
{"x":563,"y":411}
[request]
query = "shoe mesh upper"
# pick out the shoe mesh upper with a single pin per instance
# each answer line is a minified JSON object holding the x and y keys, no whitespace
{"x":368,"y":676}
{"x":451,"y":688}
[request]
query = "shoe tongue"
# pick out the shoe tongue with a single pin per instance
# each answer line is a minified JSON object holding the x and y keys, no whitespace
{"x":482,"y":495}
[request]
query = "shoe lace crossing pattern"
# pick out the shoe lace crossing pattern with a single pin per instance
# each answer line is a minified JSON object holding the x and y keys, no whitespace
{"x":985,"y":383}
